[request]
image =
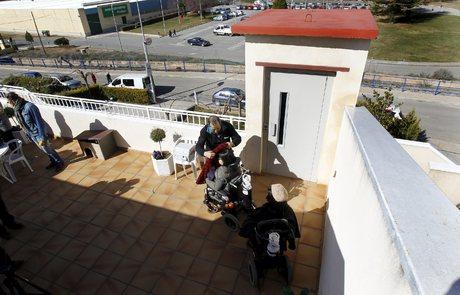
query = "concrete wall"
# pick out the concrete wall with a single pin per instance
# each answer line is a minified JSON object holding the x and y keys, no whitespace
{"x":389,"y":229}
{"x":57,"y":21}
{"x":308,"y":51}
{"x":444,"y":172}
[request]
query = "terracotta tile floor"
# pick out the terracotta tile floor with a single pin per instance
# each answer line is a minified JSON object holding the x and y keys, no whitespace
{"x":114,"y":227}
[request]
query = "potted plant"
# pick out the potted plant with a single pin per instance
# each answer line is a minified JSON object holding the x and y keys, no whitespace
{"x":162,"y":161}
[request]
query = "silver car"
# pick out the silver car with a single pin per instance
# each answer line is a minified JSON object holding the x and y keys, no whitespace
{"x":65,"y":80}
{"x":231,"y":95}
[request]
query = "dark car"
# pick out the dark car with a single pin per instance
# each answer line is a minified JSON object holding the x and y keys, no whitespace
{"x":6,"y":60}
{"x":197,"y":41}
{"x":230,"y":95}
{"x":31,"y":75}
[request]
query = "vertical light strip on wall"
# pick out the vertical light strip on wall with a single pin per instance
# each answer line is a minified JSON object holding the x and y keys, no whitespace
{"x":282,"y":117}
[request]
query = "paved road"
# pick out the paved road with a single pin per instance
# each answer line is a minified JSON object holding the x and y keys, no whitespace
{"x":439,"y":114}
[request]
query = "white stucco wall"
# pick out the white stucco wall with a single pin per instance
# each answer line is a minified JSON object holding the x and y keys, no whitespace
{"x":64,"y":22}
{"x":359,"y":256}
{"x":131,"y":133}
{"x":389,"y":229}
{"x":307,"y":51}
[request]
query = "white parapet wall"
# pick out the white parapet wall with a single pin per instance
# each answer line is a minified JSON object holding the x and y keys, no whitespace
{"x":389,"y":229}
{"x":67,"y":117}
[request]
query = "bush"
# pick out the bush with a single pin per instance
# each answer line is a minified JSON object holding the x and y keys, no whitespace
{"x":7,"y":51}
{"x":136,"y":96}
{"x":28,"y":37}
{"x":279,"y":4}
{"x":61,"y":41}
{"x":408,"y":127}
{"x":443,"y":74}
{"x":41,"y":85}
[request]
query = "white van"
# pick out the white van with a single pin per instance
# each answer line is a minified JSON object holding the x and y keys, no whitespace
{"x":131,"y":80}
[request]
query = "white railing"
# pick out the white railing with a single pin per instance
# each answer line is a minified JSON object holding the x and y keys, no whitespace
{"x":120,"y":109}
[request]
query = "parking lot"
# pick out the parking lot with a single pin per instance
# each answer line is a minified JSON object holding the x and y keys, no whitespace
{"x":223,"y":47}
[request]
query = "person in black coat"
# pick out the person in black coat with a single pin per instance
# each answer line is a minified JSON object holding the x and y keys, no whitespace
{"x":215,"y":133}
{"x":275,"y":208}
{"x":8,"y":221}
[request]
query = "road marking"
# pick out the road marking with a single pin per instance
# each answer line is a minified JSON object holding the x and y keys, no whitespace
{"x":236,"y":46}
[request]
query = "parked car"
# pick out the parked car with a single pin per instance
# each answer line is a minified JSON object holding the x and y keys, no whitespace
{"x":239,"y":13}
{"x":197,"y":41}
{"x":221,"y":17}
{"x":230,"y":95}
{"x":131,"y":80}
{"x":240,"y":7}
{"x":65,"y":80}
{"x":223,"y":30}
{"x":31,"y":75}
{"x":6,"y":60}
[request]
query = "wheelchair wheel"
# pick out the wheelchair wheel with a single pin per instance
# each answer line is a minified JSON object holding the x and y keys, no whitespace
{"x":232,"y":222}
{"x":289,"y":270}
{"x":252,"y":268}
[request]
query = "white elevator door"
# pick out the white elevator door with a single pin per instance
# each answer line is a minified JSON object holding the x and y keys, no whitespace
{"x":298,"y":107}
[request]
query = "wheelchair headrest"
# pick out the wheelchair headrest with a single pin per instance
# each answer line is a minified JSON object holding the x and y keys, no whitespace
{"x":279,"y":225}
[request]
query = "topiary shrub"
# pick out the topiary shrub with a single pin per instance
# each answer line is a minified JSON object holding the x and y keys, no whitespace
{"x":61,"y":41}
{"x":157,"y":135}
{"x":443,"y":74}
{"x":406,"y":127}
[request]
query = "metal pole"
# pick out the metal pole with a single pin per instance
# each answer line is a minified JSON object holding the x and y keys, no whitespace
{"x":148,"y":69}
{"x":178,"y":11}
{"x":201,"y":11}
{"x":39,"y":37}
{"x":163,"y":16}
{"x":116,"y":26}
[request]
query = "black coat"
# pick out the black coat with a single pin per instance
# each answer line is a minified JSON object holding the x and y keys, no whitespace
{"x":271,"y":210}
{"x":208,"y":140}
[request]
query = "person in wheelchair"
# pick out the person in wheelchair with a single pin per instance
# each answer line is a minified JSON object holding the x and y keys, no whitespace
{"x":225,"y":172}
{"x":275,"y":208}
{"x":270,"y":229}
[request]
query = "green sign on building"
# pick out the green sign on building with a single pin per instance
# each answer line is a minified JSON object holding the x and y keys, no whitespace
{"x":118,"y":9}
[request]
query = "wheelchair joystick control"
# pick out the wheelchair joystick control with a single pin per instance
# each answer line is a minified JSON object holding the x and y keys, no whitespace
{"x":273,"y":246}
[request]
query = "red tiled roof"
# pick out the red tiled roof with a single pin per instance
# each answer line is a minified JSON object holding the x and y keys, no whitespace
{"x":334,"y":23}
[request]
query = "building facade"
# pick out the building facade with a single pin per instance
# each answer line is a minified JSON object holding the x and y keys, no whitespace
{"x":77,"y":18}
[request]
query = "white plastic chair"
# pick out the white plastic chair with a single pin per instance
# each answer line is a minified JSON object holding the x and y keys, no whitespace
{"x":14,"y":156}
{"x":185,"y":161}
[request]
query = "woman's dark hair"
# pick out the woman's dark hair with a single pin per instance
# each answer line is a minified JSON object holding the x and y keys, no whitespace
{"x":12,"y":96}
{"x":227,"y":157}
{"x":213,"y":119}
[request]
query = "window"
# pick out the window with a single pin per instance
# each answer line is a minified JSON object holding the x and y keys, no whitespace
{"x":282,"y":117}
{"x":128,"y":82}
{"x":116,"y":82}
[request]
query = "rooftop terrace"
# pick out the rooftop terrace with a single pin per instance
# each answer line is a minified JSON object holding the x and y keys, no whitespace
{"x":114,"y":227}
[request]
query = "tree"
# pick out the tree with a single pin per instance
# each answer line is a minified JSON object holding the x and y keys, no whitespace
{"x":386,"y":111}
{"x":29,"y":37}
{"x":279,"y":4}
{"x":393,"y":8}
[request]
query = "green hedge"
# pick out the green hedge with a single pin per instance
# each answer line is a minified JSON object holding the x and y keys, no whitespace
{"x":41,"y":85}
{"x":137,"y":96}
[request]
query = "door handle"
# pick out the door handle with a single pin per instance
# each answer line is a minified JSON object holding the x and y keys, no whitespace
{"x":274,"y":130}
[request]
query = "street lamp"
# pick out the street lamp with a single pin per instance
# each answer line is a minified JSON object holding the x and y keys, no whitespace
{"x":163,"y":16}
{"x":148,"y":69}
{"x":116,"y":26}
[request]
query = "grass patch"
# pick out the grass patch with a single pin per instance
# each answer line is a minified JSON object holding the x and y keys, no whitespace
{"x":425,"y":38}
{"x":187,"y":22}
{"x":217,"y":110}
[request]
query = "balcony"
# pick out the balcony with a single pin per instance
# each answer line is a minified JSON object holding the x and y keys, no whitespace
{"x":114,"y":227}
